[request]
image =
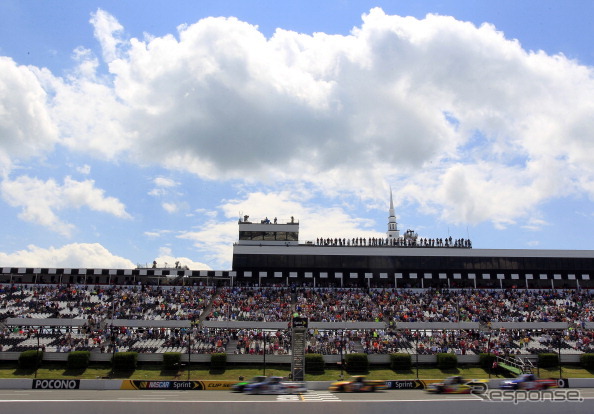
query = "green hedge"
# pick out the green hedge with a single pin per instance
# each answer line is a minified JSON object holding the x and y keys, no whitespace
{"x":357,"y":363}
{"x":78,"y":360}
{"x":171,"y":360}
{"x":486,"y":361}
{"x":124,"y":361}
{"x":218,"y":362}
{"x":587,"y":361}
{"x":400,"y":361}
{"x":314,"y":364}
{"x":548,"y":360}
{"x":447,"y":361}
{"x":30,"y":359}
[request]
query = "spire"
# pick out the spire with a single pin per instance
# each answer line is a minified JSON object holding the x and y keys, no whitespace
{"x":391,"y":203}
{"x":393,"y":231}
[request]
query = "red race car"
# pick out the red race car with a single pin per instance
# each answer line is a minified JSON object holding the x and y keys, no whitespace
{"x":528,"y":382}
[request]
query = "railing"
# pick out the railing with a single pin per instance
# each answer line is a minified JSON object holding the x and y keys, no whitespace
{"x":267,"y":220}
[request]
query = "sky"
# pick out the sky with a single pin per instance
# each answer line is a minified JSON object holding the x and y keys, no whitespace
{"x":141,"y":130}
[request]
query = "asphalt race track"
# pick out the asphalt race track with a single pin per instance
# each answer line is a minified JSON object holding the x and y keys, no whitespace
{"x":313,"y":402}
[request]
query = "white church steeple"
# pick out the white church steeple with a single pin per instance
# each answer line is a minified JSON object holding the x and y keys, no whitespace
{"x":393,"y":232}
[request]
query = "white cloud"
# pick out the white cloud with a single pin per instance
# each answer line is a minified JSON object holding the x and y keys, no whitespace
{"x":26,"y":127}
{"x":84,"y":169}
{"x":107,"y":30}
{"x":170,"y":207}
{"x":163,"y":187}
{"x":41,"y":200}
{"x":83,"y":255}
{"x":457,"y":118}
{"x":165,"y":182}
{"x":215,"y":238}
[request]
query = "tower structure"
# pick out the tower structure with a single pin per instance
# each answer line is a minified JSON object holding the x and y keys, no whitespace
{"x":393,"y":232}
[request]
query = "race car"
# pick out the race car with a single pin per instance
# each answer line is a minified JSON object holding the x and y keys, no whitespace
{"x":240,"y":386}
{"x":457,"y":385}
{"x":275,"y":385}
{"x":528,"y":382}
{"x":358,"y":383}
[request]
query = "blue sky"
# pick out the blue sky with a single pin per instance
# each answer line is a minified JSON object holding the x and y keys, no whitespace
{"x":140,"y":130}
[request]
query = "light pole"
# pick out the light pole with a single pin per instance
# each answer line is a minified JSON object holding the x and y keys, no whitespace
{"x":417,"y":335}
{"x":341,"y":357}
{"x":559,"y":336}
{"x":264,"y":333}
{"x":37,"y":355}
{"x":489,"y":350}
{"x":113,"y":345}
{"x":189,"y":353}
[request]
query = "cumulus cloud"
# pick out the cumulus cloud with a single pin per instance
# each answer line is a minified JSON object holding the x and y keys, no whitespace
{"x":457,"y":118}
{"x":107,"y":31}
{"x":83,"y":255}
{"x":41,"y":200}
{"x":26,"y":126}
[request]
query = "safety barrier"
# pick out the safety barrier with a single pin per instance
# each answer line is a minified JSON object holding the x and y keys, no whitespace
{"x":223,"y":385}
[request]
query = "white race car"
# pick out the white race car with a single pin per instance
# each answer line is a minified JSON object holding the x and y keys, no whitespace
{"x":275,"y":385}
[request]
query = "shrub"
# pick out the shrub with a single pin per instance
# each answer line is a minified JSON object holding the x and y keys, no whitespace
{"x":30,"y":359}
{"x":400,"y":361}
{"x":546,"y":360}
{"x":447,"y":361}
{"x":486,"y":361}
{"x":124,"y":361}
{"x":218,"y":362}
{"x":314,"y":364}
{"x":587,"y":361}
{"x":78,"y":360}
{"x":171,"y":360}
{"x":357,"y":363}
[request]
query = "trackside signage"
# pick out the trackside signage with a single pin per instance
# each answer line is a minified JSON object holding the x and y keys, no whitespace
{"x":176,"y":385}
{"x":55,"y":384}
{"x":405,"y":385}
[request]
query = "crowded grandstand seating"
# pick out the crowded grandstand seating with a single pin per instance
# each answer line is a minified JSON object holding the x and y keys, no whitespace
{"x":94,"y":305}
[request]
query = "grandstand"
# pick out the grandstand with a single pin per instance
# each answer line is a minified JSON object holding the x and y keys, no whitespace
{"x":375,"y":295}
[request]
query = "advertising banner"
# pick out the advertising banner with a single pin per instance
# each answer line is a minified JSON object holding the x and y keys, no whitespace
{"x":176,"y":385}
{"x":56,"y":384}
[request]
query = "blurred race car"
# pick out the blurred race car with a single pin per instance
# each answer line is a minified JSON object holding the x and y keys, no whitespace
{"x":528,"y":382}
{"x":240,"y":386}
{"x":457,"y":385}
{"x":275,"y":385}
{"x":358,"y":383}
